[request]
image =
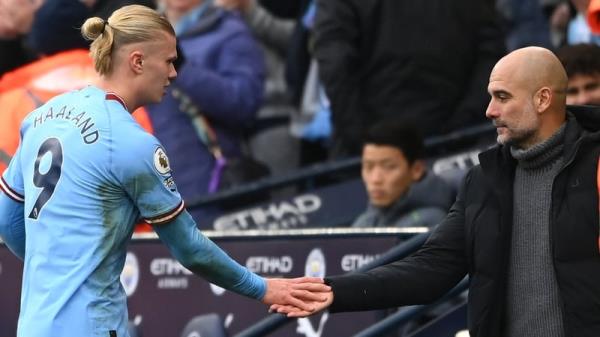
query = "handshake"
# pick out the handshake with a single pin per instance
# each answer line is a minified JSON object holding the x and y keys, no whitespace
{"x":297,"y":297}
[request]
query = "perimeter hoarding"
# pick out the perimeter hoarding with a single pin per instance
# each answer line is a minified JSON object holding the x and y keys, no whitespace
{"x":164,"y":296}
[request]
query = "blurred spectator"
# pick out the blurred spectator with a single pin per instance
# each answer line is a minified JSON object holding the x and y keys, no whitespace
{"x":582,"y":63}
{"x":402,"y":192}
{"x":312,"y":124}
{"x":53,"y":30}
{"x":13,"y":54}
{"x":527,"y":22}
{"x":593,"y":16}
{"x":559,"y":17}
{"x":56,"y":24}
{"x":310,"y":114}
{"x":219,"y":86}
{"x":426,"y":59}
{"x":535,"y":22}
{"x":579,"y":30}
{"x":289,"y":9}
{"x":274,"y":34}
{"x":16,"y":17}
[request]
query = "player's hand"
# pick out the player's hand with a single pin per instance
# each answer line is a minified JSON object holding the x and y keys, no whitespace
{"x":302,"y":295}
{"x":295,"y":312}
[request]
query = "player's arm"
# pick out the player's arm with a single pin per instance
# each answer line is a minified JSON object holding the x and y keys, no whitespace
{"x":200,"y":255}
{"x":12,"y":225}
{"x":12,"y":222}
{"x":12,"y":198}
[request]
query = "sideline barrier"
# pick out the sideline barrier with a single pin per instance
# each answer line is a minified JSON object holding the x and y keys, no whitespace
{"x":164,"y":297}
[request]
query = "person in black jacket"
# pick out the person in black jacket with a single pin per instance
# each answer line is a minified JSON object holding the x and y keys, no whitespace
{"x":524,"y":226}
{"x":427,"y":60}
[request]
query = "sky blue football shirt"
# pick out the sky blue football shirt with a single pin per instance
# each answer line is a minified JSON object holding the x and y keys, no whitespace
{"x":86,"y":171}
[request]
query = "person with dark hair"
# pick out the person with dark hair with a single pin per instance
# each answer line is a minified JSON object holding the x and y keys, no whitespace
{"x":397,"y":180}
{"x":582,"y":63}
{"x":524,"y":226}
{"x":85,"y":171}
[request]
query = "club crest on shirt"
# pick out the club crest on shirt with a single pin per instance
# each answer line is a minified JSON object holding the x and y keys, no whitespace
{"x":161,"y":162}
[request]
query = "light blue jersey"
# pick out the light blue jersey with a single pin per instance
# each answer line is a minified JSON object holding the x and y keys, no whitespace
{"x":86,"y":171}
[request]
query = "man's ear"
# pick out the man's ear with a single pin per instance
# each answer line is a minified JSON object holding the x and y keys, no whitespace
{"x":543,"y":99}
{"x":417,"y":169}
{"x":136,"y":61}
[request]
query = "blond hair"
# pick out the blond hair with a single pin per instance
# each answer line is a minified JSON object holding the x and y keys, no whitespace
{"x":128,"y":24}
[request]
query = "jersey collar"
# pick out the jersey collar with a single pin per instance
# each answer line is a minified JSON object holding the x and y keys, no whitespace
{"x":111,"y":96}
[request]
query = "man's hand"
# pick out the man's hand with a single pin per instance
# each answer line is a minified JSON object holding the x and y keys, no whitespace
{"x":295,"y":312}
{"x":300,"y":296}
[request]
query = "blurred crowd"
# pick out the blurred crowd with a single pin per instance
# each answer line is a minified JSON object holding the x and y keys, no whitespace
{"x":265,"y":87}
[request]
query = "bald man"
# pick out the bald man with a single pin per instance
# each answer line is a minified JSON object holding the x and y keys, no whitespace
{"x":524,"y":226}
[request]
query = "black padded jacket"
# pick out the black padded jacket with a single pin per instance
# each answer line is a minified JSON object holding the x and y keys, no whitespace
{"x":474,"y":239}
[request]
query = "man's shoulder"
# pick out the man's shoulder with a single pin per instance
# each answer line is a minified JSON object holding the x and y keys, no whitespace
{"x":445,"y":191}
{"x":366,"y":218}
{"x":131,"y":140}
{"x":588,"y":117}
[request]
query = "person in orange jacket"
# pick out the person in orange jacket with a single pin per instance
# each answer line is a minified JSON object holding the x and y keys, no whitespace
{"x":593,"y":16}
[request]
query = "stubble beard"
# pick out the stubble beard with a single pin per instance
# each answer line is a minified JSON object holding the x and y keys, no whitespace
{"x":519,"y":139}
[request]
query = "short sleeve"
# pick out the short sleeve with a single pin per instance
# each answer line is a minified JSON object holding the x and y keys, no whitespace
{"x":11,"y":181}
{"x":142,"y":168}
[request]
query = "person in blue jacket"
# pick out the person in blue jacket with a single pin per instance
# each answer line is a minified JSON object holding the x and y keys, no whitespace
{"x":220,"y":81}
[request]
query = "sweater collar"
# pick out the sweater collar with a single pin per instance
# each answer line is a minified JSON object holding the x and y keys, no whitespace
{"x":543,"y":153}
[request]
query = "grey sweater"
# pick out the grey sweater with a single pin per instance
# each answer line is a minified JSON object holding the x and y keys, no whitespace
{"x":533,"y":299}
